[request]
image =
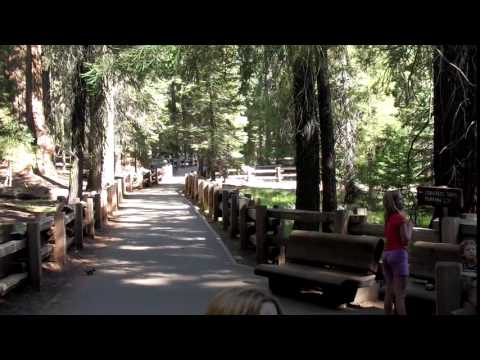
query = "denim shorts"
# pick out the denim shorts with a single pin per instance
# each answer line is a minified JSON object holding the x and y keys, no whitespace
{"x":395,"y":264}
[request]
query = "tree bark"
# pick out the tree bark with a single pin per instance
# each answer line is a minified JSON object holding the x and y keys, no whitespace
{"x":212,"y":148}
{"x":455,"y":121}
{"x":36,"y":99}
{"x":108,"y":168}
{"x":306,"y":140}
{"x":78,"y":127}
{"x":329,"y":189}
{"x":96,"y":140}
{"x":174,"y":116}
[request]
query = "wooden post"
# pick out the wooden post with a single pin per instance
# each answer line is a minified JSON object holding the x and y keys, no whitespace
{"x":195,"y":185}
{"x":130,"y":182}
{"x":104,"y":201}
{"x":211,"y":207}
{"x":278,"y":173}
{"x":449,"y":229}
{"x":10,"y":174}
{"x":206,"y":193}
{"x":190,"y":192}
{"x":78,"y":227}
{"x":60,"y":249}
{"x":119,"y":192}
{"x":108,"y":200}
{"x":205,"y":197}
{"x":225,"y":216}
{"x":340,"y":225}
{"x":242,"y":220}
{"x":97,"y":204}
{"x":261,"y":233}
{"x":124,"y":186}
{"x":234,"y":214}
{"x":34,"y":254}
{"x":89,"y":215}
{"x":115,"y":197}
{"x":448,"y":287}
{"x":281,"y":242}
{"x":200,"y":193}
{"x":216,"y":203}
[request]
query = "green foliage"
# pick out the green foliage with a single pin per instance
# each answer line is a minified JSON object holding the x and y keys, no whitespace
{"x":271,"y":197}
{"x":266,"y":85}
{"x":233,"y":105}
{"x":15,"y":141}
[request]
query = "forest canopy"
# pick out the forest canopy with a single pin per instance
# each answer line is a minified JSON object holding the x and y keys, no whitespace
{"x":400,"y":115}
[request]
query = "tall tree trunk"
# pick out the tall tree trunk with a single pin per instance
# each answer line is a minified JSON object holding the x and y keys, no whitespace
{"x":329,"y":189}
{"x":96,"y":140}
{"x":345,"y":142}
{"x":306,"y":140}
{"x":36,"y":100}
{"x":260,"y":143}
{"x":249,"y":147}
{"x":174,"y":116}
{"x":186,"y":135}
{"x":455,"y":121}
{"x":78,"y":127}
{"x":212,"y":148}
{"x":108,"y":169}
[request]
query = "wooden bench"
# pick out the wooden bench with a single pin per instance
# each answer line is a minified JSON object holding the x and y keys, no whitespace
{"x":338,"y":264}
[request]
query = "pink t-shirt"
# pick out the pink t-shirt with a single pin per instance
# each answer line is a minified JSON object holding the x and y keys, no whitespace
{"x":392,"y":232}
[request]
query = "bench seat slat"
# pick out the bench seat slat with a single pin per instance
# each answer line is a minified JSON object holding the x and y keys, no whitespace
{"x":319,"y":275}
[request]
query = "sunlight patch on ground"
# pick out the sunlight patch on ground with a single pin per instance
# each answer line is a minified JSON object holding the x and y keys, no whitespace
{"x":160,"y":247}
{"x":147,"y":282}
{"x":224,"y":284}
{"x":197,"y":256}
{"x":192,"y":238}
{"x":159,"y":279}
{"x":134,"y":225}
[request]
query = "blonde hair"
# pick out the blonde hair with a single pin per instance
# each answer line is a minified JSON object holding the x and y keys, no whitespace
{"x":391,"y":204}
{"x":241,"y":301}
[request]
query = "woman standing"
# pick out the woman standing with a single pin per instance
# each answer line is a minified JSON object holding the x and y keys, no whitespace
{"x":398,"y":233}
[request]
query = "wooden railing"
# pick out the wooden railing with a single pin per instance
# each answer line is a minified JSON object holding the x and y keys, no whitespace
{"x":242,"y":217}
{"x":265,"y":172}
{"x":25,"y":246}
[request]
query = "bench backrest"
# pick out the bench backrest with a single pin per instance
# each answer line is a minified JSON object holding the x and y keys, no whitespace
{"x":359,"y":253}
{"x":424,"y":255}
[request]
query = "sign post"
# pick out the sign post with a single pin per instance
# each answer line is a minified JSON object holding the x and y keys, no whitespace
{"x":443,"y":197}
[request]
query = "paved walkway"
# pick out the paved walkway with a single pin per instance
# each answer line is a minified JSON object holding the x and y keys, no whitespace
{"x":161,"y":258}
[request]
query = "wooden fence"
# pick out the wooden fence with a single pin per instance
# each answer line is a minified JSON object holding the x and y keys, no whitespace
{"x":265,"y":173}
{"x":25,"y":246}
{"x":252,"y":222}
{"x":259,"y":225}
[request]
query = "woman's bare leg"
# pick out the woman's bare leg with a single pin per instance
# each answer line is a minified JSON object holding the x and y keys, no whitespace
{"x":400,"y":290}
{"x":388,"y":301}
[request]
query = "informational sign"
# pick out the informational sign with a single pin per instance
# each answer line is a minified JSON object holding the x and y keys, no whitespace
{"x":440,"y":196}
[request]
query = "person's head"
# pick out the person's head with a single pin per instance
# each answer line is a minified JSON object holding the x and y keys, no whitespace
{"x":244,"y":301}
{"x":468,"y":251}
{"x":392,"y":203}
